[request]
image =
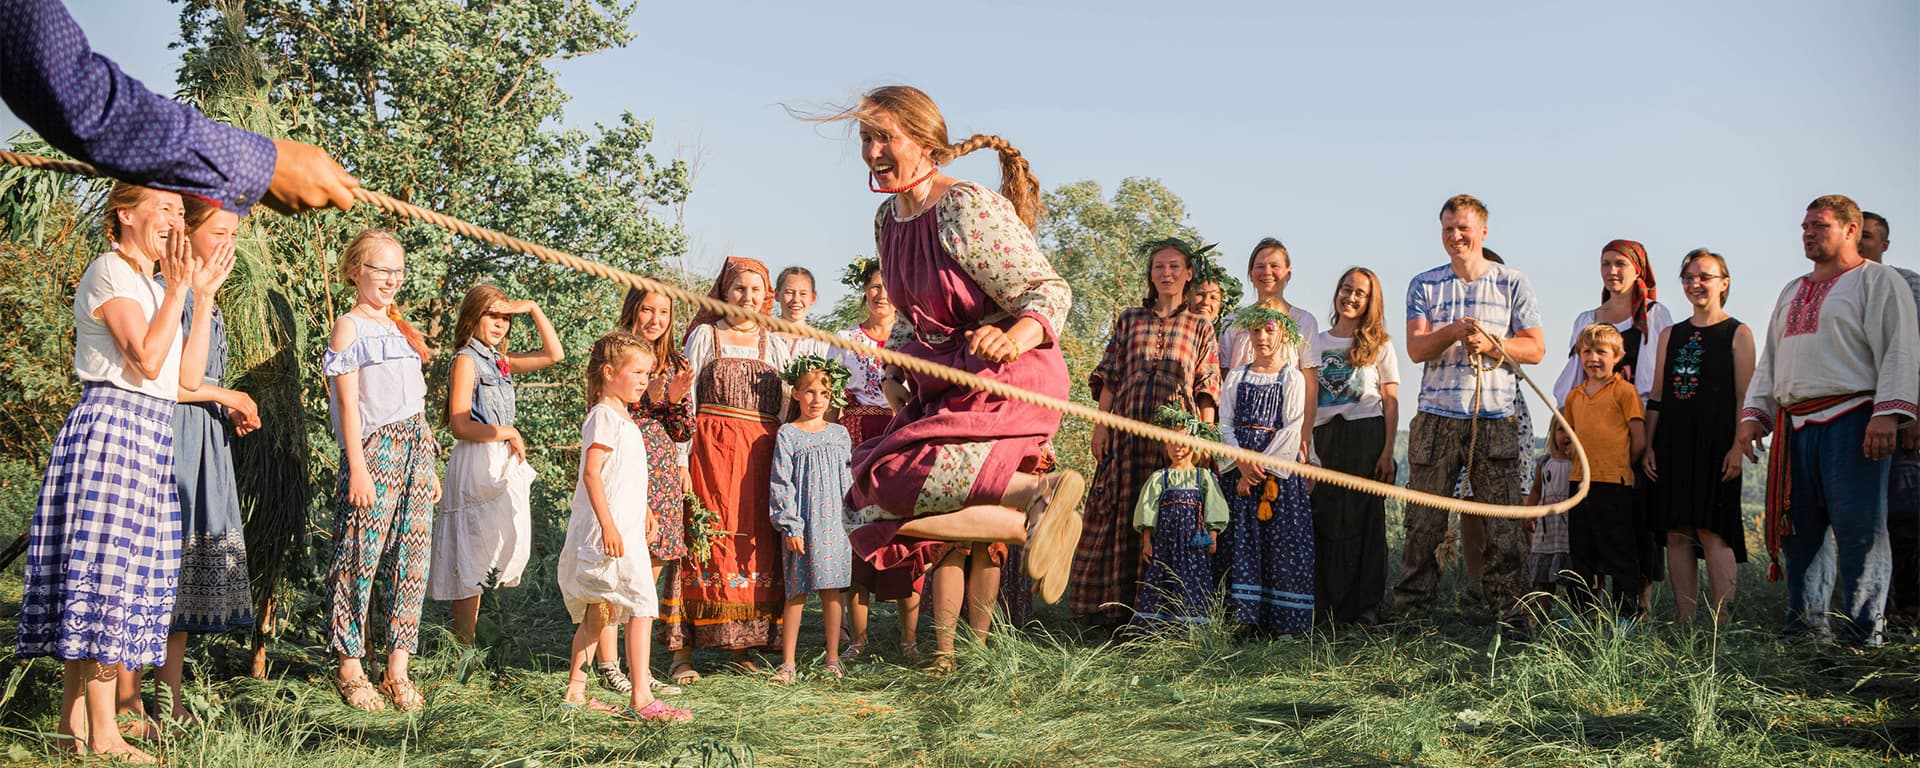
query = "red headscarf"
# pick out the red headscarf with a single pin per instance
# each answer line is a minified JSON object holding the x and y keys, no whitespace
{"x":1647,"y":293}
{"x":735,"y":266}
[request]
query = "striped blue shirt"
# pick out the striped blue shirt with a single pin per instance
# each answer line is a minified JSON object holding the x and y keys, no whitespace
{"x":1502,"y":300}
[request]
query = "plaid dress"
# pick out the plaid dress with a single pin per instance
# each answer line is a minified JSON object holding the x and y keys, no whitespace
{"x":1149,"y":359}
{"x":103,"y":551}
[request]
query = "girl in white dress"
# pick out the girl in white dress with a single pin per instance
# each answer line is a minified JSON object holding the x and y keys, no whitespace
{"x":602,"y":577}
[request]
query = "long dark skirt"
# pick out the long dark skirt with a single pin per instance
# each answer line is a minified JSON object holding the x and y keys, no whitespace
{"x":1349,"y":528}
{"x":1178,"y":584}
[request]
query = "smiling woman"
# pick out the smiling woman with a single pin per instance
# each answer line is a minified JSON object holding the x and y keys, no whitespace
{"x":972,"y":291}
{"x":1158,"y":352}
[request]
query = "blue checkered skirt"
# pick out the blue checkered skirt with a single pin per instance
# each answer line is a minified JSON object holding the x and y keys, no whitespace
{"x":103,"y":552}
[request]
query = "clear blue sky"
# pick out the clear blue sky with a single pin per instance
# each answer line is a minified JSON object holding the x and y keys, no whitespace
{"x":1339,"y":128}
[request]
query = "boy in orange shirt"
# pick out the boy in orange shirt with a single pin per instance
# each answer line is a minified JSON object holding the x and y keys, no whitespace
{"x":1603,"y":531}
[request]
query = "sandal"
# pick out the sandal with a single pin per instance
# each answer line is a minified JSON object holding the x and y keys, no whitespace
{"x":406,"y":697}
{"x":613,"y":678}
{"x":785,"y":676}
{"x":359,"y":694}
{"x":1053,"y":532}
{"x":941,"y":666}
{"x":834,"y":668}
{"x":658,"y":712}
{"x":683,"y":673}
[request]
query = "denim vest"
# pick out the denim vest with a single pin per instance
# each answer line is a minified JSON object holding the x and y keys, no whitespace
{"x":492,"y":387}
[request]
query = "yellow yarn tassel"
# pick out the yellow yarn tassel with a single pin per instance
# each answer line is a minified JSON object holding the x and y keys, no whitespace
{"x":1268,"y":493}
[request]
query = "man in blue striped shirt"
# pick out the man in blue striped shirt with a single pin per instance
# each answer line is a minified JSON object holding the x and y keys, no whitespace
{"x":1466,"y":409}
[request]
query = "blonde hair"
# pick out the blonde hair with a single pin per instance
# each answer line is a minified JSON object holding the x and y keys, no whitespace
{"x":611,"y":350}
{"x":1553,"y":447}
{"x":921,"y":121}
{"x":354,"y":258}
{"x":123,"y":197}
{"x":1464,"y":203}
{"x":1600,"y":336}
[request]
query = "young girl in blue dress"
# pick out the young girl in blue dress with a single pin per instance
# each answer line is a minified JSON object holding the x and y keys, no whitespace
{"x":1270,"y":533}
{"x":1179,"y":516}
{"x":812,"y":471}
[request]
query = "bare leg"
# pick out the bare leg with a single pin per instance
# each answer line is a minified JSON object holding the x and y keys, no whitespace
{"x":397,"y":665}
{"x":104,"y":739}
{"x":909,"y":608}
{"x":128,"y":701}
{"x":857,"y":609}
{"x":639,"y":660}
{"x":607,"y":647}
{"x":983,"y":591}
{"x":1723,"y":573}
{"x":831,"y":606}
{"x":790,"y":629}
{"x":585,"y":636}
{"x":73,"y":706}
{"x":170,"y":674}
{"x":466,"y":617}
{"x":946,"y":586}
{"x":977,"y":523}
{"x":1684,"y":573}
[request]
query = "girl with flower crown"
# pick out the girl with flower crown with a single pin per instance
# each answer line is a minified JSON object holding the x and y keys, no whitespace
{"x":1179,"y":517}
{"x":812,"y":471}
{"x":1269,"y":541}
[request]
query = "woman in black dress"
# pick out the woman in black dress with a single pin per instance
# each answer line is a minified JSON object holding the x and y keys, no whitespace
{"x":1705,"y":363}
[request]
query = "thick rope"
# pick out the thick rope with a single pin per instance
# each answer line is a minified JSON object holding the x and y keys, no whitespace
{"x":935,"y":370}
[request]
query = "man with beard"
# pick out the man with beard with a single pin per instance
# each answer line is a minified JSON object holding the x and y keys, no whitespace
{"x":1839,"y":373}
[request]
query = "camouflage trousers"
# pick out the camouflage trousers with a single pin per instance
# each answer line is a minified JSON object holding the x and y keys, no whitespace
{"x":1437,"y":449}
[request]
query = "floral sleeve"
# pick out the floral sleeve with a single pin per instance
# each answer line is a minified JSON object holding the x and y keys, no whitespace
{"x":1206,"y":371}
{"x":988,"y":240}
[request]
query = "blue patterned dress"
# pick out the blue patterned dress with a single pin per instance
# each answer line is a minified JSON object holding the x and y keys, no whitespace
{"x":1269,"y":555}
{"x":811,"y":474}
{"x":1181,"y":507}
{"x":214,"y":595}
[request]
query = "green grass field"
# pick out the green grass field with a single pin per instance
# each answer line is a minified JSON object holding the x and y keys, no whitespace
{"x":1446,"y":695}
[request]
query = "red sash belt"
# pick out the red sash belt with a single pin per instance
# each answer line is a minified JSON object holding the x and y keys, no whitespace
{"x":1779,"y":472}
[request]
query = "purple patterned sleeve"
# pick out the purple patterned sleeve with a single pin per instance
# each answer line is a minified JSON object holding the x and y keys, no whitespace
{"x":82,"y":103}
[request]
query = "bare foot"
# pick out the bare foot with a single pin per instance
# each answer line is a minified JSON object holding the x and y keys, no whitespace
{"x":126,"y":753}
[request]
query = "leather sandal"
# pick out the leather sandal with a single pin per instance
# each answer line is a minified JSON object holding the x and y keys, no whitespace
{"x":406,"y":697}
{"x":360,"y":694}
{"x":1054,"y":532}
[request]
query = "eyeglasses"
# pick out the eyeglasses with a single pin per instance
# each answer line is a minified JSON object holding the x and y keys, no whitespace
{"x":382,"y":273}
{"x":1699,"y":277}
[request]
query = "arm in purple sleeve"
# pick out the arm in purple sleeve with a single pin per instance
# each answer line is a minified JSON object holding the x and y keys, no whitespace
{"x":82,"y":103}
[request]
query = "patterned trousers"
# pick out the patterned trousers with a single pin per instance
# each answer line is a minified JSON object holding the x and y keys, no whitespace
{"x":395,"y":535}
{"x":1437,"y":448}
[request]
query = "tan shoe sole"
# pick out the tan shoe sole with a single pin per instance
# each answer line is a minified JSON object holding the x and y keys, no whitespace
{"x":1051,"y":543}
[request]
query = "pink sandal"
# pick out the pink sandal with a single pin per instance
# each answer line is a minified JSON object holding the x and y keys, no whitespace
{"x":659,"y":712}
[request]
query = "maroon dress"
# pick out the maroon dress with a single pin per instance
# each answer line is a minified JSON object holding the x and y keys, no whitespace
{"x":965,"y":262}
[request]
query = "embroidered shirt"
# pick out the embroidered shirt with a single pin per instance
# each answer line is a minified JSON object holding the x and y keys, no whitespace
{"x":1853,"y":332}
